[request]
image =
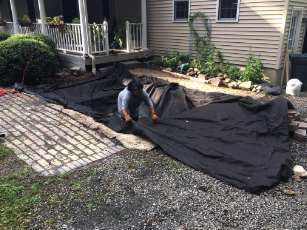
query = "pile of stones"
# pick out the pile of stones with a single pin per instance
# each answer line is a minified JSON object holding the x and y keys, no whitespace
{"x":297,"y":127}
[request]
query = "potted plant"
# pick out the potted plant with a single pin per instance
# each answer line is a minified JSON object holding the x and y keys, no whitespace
{"x":120,"y":35}
{"x":55,"y":22}
{"x":25,"y":21}
{"x":2,"y":22}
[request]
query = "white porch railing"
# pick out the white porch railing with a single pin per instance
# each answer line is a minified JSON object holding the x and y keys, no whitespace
{"x":69,"y":39}
{"x":134,"y":36}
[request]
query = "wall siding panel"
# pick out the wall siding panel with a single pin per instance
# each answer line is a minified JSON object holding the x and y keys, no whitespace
{"x":258,"y":29}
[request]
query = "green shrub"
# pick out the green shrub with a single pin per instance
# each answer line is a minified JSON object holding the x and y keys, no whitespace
{"x":38,"y":37}
{"x":4,"y":36}
{"x":14,"y":56}
{"x":235,"y":73}
{"x":171,"y":62}
{"x":253,"y":70}
{"x":184,"y":57}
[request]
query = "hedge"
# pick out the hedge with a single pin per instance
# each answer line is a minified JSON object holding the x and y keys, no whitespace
{"x":14,"y":56}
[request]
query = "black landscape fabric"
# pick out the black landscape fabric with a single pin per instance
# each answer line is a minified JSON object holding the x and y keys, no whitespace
{"x":235,"y":139}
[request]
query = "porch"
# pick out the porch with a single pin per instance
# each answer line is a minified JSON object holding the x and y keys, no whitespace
{"x":86,"y":44}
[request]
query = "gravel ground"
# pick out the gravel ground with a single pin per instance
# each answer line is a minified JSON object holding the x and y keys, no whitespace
{"x":150,"y":190}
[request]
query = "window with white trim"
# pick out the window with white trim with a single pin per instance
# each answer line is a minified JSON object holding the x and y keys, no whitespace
{"x":227,"y":10}
{"x":181,"y":10}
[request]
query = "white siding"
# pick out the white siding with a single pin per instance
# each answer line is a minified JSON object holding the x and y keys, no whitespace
{"x":293,"y":3}
{"x":258,"y":29}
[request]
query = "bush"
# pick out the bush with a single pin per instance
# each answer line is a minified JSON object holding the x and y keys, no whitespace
{"x":14,"y":56}
{"x":235,"y":73}
{"x":253,"y":70}
{"x":4,"y":36}
{"x":38,"y":37}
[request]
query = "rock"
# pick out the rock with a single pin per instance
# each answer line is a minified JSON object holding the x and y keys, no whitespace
{"x":225,"y":75}
{"x":257,"y":91}
{"x":190,"y":69}
{"x":215,"y":81}
{"x":234,"y":84}
{"x":196,"y":70}
{"x":300,"y":135}
{"x":297,"y":116}
{"x":207,"y":81}
{"x":220,"y":77}
{"x":202,"y":76}
{"x":75,"y":71}
{"x":227,"y":80}
{"x":293,"y":126}
{"x":259,"y":87}
{"x":302,"y":125}
{"x":255,"y":86}
{"x":299,"y":171}
{"x":191,"y":73}
{"x":291,"y":112}
{"x":246,"y":85}
{"x":296,"y":177}
{"x":239,"y":82}
{"x":229,"y":85}
{"x":290,"y":118}
{"x":254,"y":90}
{"x":169,"y":69}
{"x":289,"y":192}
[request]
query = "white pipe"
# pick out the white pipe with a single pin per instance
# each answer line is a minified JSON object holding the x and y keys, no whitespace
{"x":42,"y":13}
{"x":144,"y":22}
{"x":14,"y":14}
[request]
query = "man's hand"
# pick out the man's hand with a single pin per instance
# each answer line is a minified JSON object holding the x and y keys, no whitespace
{"x":154,"y":117}
{"x":127,"y":118}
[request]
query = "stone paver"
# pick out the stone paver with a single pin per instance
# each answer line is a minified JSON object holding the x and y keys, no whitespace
{"x":49,"y":138}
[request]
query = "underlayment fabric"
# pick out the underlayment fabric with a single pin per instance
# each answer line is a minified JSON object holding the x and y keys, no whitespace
{"x":237,"y":140}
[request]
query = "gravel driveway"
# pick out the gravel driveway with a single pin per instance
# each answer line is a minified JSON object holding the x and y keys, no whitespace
{"x":150,"y":190}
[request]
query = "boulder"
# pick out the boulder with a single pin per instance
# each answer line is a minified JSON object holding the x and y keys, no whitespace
{"x":300,"y":135}
{"x":227,"y":80}
{"x":76,"y":71}
{"x":246,"y":85}
{"x":203,"y":76}
{"x":215,"y":81}
{"x":293,"y":126}
{"x":225,"y":75}
{"x":299,"y":171}
{"x":239,"y":82}
{"x":169,"y":69}
{"x":254,"y":89}
{"x":196,"y":70}
{"x":302,"y":125}
{"x":259,"y":87}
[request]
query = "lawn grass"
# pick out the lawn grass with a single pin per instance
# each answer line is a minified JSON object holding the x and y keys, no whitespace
{"x":16,"y":199}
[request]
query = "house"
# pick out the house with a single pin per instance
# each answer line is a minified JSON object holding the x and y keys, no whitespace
{"x":239,"y":27}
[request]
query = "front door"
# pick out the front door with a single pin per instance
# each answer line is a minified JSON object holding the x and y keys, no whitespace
{"x":295,"y":29}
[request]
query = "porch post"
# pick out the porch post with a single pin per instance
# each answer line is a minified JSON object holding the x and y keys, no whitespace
{"x":144,"y":22}
{"x":14,"y":14}
{"x":83,"y":23}
{"x":128,"y":36}
{"x":42,"y":13}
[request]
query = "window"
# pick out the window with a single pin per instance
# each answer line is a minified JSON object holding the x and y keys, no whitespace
{"x":227,"y":10}
{"x":181,"y":10}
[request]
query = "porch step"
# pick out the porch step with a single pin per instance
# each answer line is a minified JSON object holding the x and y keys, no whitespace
{"x":132,"y":64}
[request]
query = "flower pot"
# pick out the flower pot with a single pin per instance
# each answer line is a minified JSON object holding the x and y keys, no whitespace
{"x":115,"y":45}
{"x":58,"y":26}
{"x":25,"y":24}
